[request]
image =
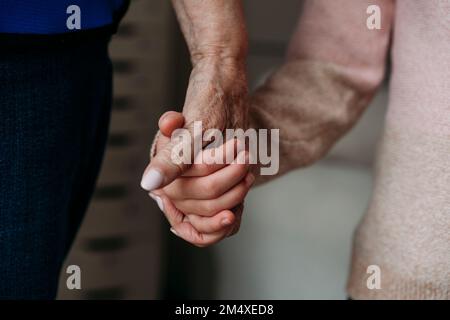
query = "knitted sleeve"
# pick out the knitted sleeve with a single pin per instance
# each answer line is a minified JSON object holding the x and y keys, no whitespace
{"x":335,"y":62}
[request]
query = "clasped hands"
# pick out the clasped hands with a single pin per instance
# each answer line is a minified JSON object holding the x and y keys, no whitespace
{"x":203,"y":202}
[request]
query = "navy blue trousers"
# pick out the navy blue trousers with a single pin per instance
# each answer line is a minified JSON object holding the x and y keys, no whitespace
{"x":54,"y":115}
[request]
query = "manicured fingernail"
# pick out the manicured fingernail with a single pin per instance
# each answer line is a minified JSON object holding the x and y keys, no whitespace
{"x":249,"y":179}
{"x":158,"y":200}
{"x":225,"y":222}
{"x":151,"y":180}
{"x":174,"y":232}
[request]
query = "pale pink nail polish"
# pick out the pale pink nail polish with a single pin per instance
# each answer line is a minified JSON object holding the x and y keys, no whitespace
{"x":151,"y":180}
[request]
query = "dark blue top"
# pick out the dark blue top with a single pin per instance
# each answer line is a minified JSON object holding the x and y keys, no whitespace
{"x":45,"y":17}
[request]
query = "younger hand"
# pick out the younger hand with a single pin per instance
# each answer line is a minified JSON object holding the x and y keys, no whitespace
{"x":205,"y":204}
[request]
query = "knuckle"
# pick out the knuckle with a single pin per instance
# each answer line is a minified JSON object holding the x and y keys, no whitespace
{"x":175,"y":159}
{"x":240,"y":193}
{"x":241,"y":170}
{"x":166,"y":165}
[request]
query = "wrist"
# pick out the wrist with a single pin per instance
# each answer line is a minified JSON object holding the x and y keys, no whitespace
{"x":230,"y":50}
{"x":228,"y":72}
{"x":232,"y":59}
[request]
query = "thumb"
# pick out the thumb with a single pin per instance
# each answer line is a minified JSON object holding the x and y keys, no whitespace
{"x":169,"y":122}
{"x":162,"y":169}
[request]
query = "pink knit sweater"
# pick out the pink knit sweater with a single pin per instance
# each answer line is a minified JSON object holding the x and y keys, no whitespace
{"x":334,"y":66}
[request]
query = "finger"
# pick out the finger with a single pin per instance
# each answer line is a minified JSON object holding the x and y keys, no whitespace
{"x":170,"y":161}
{"x":170,"y":121}
{"x":173,"y":215}
{"x":184,"y":229}
{"x":210,"y":207}
{"x":211,"y":186}
{"x":203,"y":164}
{"x":161,"y":142}
{"x":187,"y":232}
{"x":219,"y":222}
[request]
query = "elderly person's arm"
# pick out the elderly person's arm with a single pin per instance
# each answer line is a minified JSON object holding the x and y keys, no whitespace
{"x":216,"y":36}
{"x":217,"y":95}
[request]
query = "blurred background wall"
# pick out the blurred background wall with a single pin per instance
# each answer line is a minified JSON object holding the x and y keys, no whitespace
{"x":295,"y":239}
